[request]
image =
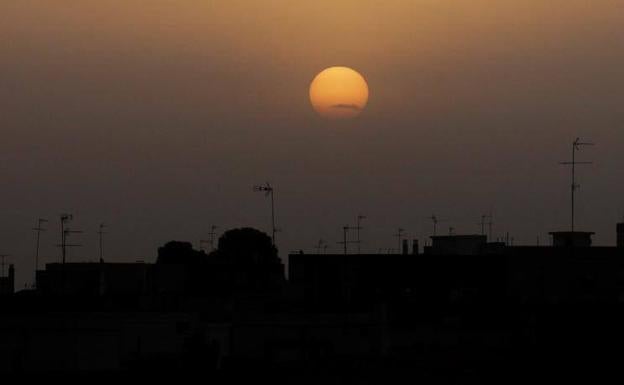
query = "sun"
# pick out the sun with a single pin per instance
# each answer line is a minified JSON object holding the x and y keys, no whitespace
{"x":339,"y":93}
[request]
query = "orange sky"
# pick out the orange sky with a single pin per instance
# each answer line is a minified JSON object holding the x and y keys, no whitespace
{"x":119,"y":109}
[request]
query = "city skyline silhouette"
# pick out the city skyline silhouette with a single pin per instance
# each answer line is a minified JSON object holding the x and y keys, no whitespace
{"x":127,"y":125}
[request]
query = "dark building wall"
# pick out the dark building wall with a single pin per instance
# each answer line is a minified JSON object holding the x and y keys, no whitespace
{"x":84,"y":342}
{"x":457,"y":244}
{"x":572,"y":238}
{"x":93,"y":279}
{"x":326,"y":279}
{"x":514,"y":275}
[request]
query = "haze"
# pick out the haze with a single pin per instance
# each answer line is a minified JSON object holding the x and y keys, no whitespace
{"x":157,"y":117}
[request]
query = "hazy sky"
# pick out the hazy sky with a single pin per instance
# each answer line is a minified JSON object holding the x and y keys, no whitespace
{"x":157,"y":117}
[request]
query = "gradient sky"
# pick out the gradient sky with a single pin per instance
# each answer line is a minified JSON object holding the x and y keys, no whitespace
{"x":157,"y":117}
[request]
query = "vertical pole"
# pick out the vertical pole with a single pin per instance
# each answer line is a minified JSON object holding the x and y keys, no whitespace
{"x":212,"y":237}
{"x":358,"y":228}
{"x":573,"y":184}
{"x":39,"y":229}
{"x":37,"y":247}
{"x":399,"y":235}
{"x":269,"y":190}
{"x":482,"y":224}
{"x":64,"y":218}
{"x":101,"y":234}
{"x":344,"y":237}
{"x":63,"y":238}
{"x":435,"y":225}
{"x":273,"y":215}
{"x":100,"y":244}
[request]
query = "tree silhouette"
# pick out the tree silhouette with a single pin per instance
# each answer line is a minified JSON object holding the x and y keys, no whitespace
{"x":248,"y":246}
{"x":245,"y":260}
{"x":179,"y":253}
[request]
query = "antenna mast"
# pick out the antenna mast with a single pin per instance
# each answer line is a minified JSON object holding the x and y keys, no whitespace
{"x":345,"y":242}
{"x":358,"y":227}
{"x":64,"y":219}
{"x":576,"y":145}
{"x":100,"y":234}
{"x":269,"y":191}
{"x":211,"y":240}
{"x":489,"y":223}
{"x":434,"y":219}
{"x":399,"y":234}
{"x":38,"y":229}
{"x":319,"y":246}
{"x":65,"y":232}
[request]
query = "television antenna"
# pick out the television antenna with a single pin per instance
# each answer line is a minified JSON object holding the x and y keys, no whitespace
{"x":345,"y":242}
{"x":268,"y":189}
{"x":489,"y":223}
{"x":435,"y":220}
{"x":320,"y":245}
{"x":65,"y":232}
{"x":38,"y":229}
{"x":65,"y":218}
{"x":358,"y":227}
{"x":576,"y":146}
{"x":100,"y":234}
{"x":211,"y":241}
{"x":399,"y":234}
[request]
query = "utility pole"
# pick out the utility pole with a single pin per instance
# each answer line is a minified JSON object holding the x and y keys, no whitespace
{"x":38,"y":229}
{"x":399,"y":234}
{"x":358,"y":228}
{"x":100,"y":234}
{"x":269,"y":191}
{"x":576,"y":145}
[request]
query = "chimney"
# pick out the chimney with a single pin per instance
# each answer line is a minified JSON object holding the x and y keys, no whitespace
{"x":405,"y":247}
{"x":415,"y":247}
{"x":620,"y":235}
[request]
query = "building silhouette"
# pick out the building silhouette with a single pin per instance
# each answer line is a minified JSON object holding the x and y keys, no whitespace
{"x":463,"y":308}
{"x":7,"y":283}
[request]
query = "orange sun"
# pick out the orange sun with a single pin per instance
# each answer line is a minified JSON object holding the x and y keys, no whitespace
{"x":338,"y":93}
